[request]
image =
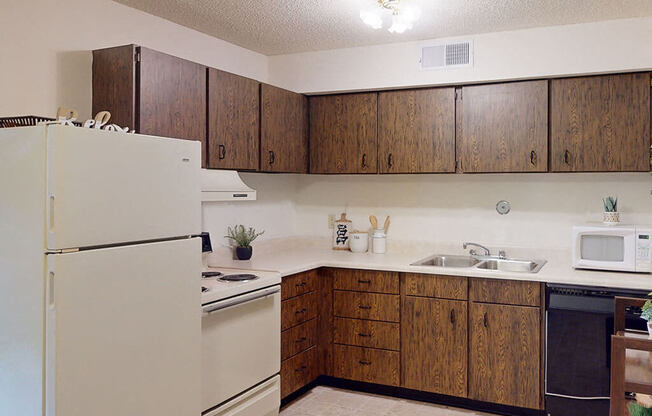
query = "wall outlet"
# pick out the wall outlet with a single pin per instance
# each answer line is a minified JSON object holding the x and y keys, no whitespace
{"x":331,"y":221}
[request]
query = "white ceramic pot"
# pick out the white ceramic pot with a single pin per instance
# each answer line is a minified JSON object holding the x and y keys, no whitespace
{"x":358,"y":241}
{"x":649,"y":329}
{"x":610,"y":217}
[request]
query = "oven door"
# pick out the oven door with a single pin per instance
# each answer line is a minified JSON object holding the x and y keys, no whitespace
{"x":241,"y":344}
{"x":604,"y":248}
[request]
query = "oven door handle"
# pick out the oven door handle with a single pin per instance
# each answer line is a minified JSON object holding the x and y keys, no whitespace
{"x":227,"y":303}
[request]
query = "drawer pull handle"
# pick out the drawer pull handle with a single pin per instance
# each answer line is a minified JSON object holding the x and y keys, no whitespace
{"x":364,"y":281}
{"x":302,"y":284}
{"x":567,"y":157}
{"x":365,"y":362}
{"x":301,"y":311}
{"x":360,"y":334}
{"x":364,"y":307}
{"x":533,"y":158}
{"x":484,"y":320}
{"x":221,"y":151}
{"x":364,"y":161}
{"x":453,"y":316}
{"x":300,"y":369}
{"x":302,"y":339}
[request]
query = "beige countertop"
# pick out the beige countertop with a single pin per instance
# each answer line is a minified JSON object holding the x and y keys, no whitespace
{"x":293,"y":255}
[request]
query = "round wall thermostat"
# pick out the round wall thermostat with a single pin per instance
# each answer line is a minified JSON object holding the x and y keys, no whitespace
{"x":503,"y":207}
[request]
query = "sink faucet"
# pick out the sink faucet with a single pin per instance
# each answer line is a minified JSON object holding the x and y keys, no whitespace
{"x":487,"y":253}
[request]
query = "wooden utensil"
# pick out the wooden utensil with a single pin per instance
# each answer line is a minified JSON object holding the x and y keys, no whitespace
{"x":374,"y":221}
{"x":386,"y":226}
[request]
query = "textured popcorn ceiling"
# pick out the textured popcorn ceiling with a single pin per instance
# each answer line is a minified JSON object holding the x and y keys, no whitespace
{"x":274,"y":27}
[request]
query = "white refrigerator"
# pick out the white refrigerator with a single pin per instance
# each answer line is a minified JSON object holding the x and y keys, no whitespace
{"x":100,"y":302}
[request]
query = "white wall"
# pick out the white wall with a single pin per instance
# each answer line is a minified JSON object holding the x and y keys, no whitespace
{"x":609,"y":46}
{"x":46,"y":50}
{"x":455,"y":208}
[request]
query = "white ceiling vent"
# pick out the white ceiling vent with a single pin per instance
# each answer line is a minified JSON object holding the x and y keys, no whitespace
{"x":447,"y":55}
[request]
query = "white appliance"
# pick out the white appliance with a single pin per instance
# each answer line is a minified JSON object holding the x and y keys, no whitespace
{"x":241,"y":343}
{"x":224,"y":185}
{"x":99,"y":277}
{"x":612,"y":247}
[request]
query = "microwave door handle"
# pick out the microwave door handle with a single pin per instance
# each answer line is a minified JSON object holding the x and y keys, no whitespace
{"x":227,"y":303}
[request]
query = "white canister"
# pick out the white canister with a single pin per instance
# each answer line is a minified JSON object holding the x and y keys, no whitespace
{"x":379,"y":241}
{"x":359,"y":241}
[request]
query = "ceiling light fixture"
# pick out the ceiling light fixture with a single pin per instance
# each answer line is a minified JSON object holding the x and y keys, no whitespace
{"x":402,"y":16}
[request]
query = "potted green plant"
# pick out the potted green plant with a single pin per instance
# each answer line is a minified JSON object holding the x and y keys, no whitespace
{"x":636,"y":409}
{"x":242,"y":238}
{"x":646,"y":313}
{"x":610,"y":215}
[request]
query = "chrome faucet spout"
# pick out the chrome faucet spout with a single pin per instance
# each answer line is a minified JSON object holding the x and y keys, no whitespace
{"x":473,"y":253}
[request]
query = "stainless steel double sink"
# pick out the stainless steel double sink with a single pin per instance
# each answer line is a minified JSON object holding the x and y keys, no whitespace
{"x":482,"y":263}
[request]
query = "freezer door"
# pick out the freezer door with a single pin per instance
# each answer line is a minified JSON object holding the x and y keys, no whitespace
{"x":123,"y":329}
{"x":106,"y":188}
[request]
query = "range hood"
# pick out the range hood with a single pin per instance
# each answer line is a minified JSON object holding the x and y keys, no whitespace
{"x":224,"y":185}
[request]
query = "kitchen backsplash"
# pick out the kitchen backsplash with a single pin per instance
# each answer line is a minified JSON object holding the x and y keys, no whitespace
{"x":437,"y":208}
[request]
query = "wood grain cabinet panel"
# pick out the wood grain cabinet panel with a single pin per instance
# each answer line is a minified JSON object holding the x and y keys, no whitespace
{"x":299,"y":309}
{"x":364,"y":333}
{"x":298,"y":371}
{"x":416,"y":131}
{"x":366,"y":281}
{"x":283,"y":130}
{"x":298,"y":338}
{"x":367,"y":364}
{"x":510,"y":292}
{"x":504,"y":127}
{"x":600,"y":123}
{"x":298,"y":284}
{"x":436,"y":286}
{"x":343,"y":133}
{"x":374,"y":306}
{"x":505,"y":355}
{"x":434,"y":345}
{"x":233,"y":121}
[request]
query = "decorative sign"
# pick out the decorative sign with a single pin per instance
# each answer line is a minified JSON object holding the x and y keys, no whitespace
{"x":341,"y":233}
{"x":67,"y":117}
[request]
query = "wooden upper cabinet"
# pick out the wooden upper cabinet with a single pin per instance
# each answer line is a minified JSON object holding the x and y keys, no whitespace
{"x":503,"y":127}
{"x":152,"y":92}
{"x":233,"y":121}
{"x":343,"y":133}
{"x":283,"y":131}
{"x":505,"y":355}
{"x":600,"y":123}
{"x":416,"y":131}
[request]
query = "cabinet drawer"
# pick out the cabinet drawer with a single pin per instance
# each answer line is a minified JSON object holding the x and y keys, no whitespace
{"x":385,"y":335}
{"x":435,"y":286}
{"x":366,"y":364}
{"x":298,"y":371}
{"x":366,"y":281}
{"x":298,"y":309}
{"x":375,"y":306}
{"x":299,"y":338}
{"x":508,"y":292}
{"x":298,"y":284}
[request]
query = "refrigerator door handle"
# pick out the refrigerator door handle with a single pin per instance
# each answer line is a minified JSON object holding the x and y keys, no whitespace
{"x":227,"y":303}
{"x":51,"y":213}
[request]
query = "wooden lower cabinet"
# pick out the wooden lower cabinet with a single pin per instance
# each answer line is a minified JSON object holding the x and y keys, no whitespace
{"x":360,"y":305}
{"x":434,"y":345}
{"x":505,"y":354}
{"x":364,"y":333}
{"x":299,"y":309}
{"x":367,"y":364}
{"x":298,"y":338}
{"x":298,"y":371}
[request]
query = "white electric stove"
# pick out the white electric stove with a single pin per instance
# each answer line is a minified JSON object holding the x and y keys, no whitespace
{"x":241,"y":343}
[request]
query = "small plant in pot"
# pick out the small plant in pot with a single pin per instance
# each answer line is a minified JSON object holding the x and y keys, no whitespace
{"x":243,"y":238}
{"x":646,"y":313}
{"x":610,"y":215}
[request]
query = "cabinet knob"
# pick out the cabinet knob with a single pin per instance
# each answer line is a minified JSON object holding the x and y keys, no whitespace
{"x":453,"y":316}
{"x":272,"y":157}
{"x":484,"y":320}
{"x":364,"y":160}
{"x":533,"y":158}
{"x":390,"y":163}
{"x":221,"y":153}
{"x":567,"y":157}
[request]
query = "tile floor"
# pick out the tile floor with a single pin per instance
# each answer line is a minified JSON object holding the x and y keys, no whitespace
{"x":328,"y":401}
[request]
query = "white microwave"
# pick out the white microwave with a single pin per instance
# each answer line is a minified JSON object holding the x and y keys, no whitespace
{"x":612,"y":247}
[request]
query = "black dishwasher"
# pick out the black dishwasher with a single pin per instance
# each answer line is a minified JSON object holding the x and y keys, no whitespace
{"x":579,"y":325}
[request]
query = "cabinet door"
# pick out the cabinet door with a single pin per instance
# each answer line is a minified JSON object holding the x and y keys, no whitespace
{"x":343,"y":133}
{"x":416,"y":132}
{"x":233,"y":114}
{"x":505,"y":354}
{"x":434,"y":345}
{"x":504,"y":127}
{"x":172,"y":97}
{"x":283,"y":131}
{"x":600,"y":123}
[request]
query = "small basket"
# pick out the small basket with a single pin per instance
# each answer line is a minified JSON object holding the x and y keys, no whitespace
{"x":26,"y":121}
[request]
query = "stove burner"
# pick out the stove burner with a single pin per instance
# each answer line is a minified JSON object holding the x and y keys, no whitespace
{"x":204,"y":289}
{"x":206,"y":275}
{"x":239,"y":277}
